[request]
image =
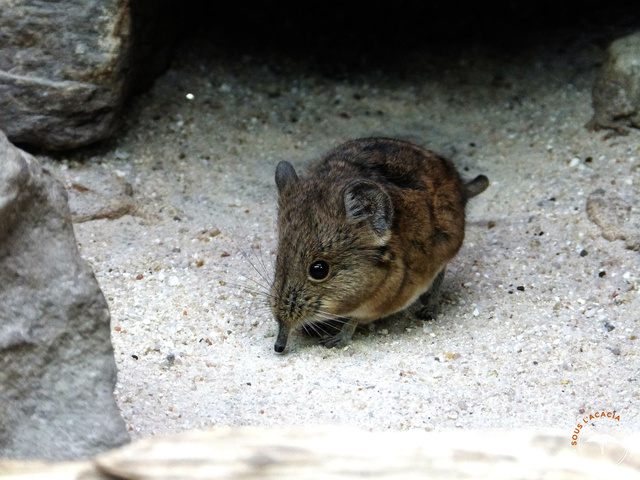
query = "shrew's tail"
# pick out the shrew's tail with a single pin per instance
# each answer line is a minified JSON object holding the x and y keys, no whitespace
{"x":476,"y":186}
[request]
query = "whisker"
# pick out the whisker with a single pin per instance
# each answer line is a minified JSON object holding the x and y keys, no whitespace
{"x":264,"y":274}
{"x":316,"y":327}
{"x":265,"y":287}
{"x":246,"y":257}
{"x":328,"y":321}
{"x":259,"y":288}
{"x":331,"y":316}
{"x":324,"y":323}
{"x":263,"y":295}
{"x":308,"y":328}
{"x":260,"y":258}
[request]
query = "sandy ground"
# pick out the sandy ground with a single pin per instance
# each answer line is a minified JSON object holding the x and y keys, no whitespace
{"x":521,"y":340}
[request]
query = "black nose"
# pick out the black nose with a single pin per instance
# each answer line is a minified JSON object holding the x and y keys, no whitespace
{"x":281,"y":340}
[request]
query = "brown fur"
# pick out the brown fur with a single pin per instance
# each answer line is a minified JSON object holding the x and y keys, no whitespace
{"x":380,"y":262}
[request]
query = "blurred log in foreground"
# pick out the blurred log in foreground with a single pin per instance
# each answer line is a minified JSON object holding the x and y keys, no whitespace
{"x":334,"y":453}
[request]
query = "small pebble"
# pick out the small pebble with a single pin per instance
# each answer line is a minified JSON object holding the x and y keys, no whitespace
{"x":608,"y":326}
{"x":520,"y":288}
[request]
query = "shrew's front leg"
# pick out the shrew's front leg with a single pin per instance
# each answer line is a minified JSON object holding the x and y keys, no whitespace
{"x":343,"y":337}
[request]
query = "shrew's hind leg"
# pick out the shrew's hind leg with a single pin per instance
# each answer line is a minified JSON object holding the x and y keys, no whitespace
{"x":343,"y":337}
{"x":431,"y":299}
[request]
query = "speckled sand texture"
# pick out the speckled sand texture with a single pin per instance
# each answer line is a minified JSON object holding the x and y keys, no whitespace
{"x":541,"y":320}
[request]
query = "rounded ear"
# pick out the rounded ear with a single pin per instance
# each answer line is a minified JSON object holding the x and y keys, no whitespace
{"x":364,"y":200}
{"x":285,"y":175}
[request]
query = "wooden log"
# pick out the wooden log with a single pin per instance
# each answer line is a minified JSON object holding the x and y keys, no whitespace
{"x":339,"y":453}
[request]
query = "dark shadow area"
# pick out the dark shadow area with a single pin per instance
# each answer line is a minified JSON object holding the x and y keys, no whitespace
{"x":338,"y":37}
{"x":372,"y":42}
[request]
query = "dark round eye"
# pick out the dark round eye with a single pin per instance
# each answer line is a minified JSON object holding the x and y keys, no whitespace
{"x":319,"y":270}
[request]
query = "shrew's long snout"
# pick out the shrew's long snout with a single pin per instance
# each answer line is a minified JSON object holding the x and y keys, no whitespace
{"x":281,"y":341}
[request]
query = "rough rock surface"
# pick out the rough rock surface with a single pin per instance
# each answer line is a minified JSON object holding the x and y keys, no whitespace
{"x":66,"y":67}
{"x":57,"y":370}
{"x":616,"y":94}
{"x":617,"y":215}
{"x":100,"y":195}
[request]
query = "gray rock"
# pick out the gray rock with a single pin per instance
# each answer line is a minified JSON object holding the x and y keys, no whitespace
{"x":616,"y":93}
{"x":617,"y":215}
{"x":66,"y":67}
{"x":62,"y":70}
{"x":96,"y":195}
{"x":57,"y":370}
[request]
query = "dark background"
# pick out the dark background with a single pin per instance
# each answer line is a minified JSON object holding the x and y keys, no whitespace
{"x":378,"y":29}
